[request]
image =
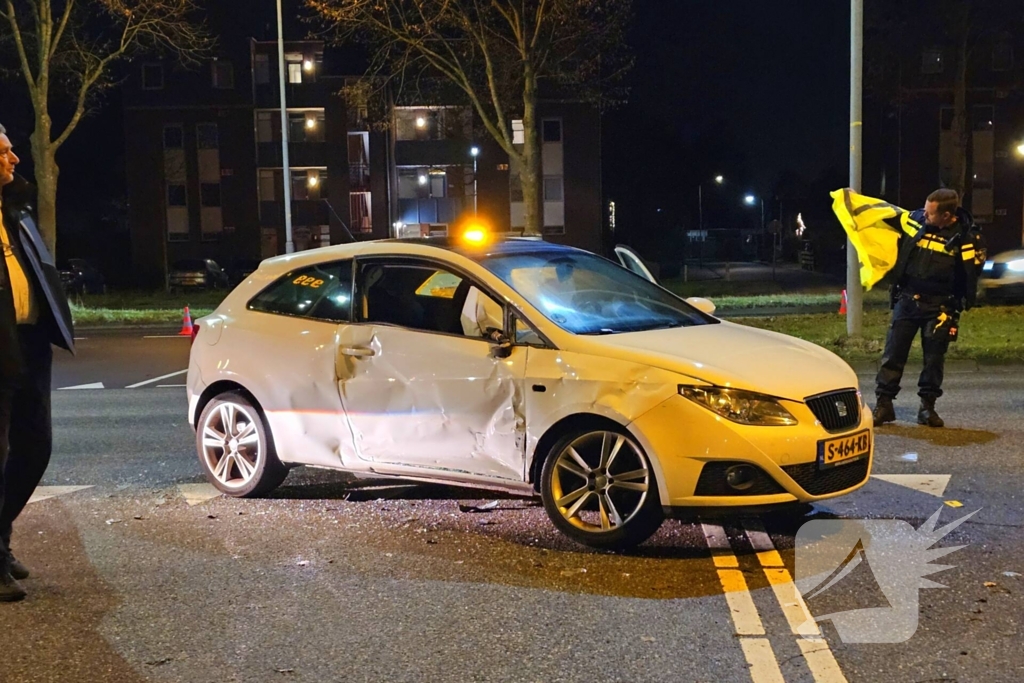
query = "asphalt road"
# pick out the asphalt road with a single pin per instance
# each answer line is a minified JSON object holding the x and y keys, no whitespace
{"x":143,"y":576}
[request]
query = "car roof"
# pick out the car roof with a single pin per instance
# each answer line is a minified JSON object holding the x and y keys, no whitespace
{"x":499,"y":245}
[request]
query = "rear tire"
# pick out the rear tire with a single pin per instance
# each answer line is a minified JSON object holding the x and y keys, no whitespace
{"x":235,"y":449}
{"x":599,"y":489}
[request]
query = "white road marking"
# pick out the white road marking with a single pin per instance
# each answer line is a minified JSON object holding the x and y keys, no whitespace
{"x":815,"y":649}
{"x":167,"y":336}
{"x":156,"y":379}
{"x":44,"y":492}
{"x":194,"y":494}
{"x":932,"y":484}
{"x":94,"y":385}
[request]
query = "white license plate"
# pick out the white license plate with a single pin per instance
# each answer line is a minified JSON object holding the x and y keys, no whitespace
{"x":844,"y":449}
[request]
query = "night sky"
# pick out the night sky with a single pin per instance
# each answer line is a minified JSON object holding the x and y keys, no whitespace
{"x":751,"y":90}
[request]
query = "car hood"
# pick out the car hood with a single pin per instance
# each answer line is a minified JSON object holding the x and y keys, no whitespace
{"x":1007,"y":256}
{"x":727,"y":354}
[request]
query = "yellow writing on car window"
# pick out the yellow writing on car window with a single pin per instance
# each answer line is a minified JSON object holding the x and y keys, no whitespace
{"x":307,"y":281}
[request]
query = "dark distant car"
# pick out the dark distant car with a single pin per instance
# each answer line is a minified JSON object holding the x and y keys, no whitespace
{"x":197,"y":273}
{"x":80,"y":277}
{"x":241,"y":269}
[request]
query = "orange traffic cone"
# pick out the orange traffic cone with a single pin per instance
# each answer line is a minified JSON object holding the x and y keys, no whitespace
{"x":842,"y":304}
{"x":186,"y":324}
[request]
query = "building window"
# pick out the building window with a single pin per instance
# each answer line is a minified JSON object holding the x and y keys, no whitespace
{"x":553,"y":189}
{"x":209,"y":194}
{"x":223,"y":74}
{"x":946,"y":118}
{"x":359,"y":161}
{"x":261,"y":69}
{"x":1002,"y":57}
{"x":176,"y":195}
{"x":932,"y":62}
{"x":359,"y":211}
{"x":982,"y":117}
{"x":206,"y":136}
{"x":174,"y":137}
{"x":552,"y":130}
{"x":270,"y":186}
{"x":264,"y":126}
{"x":152,"y":77}
{"x":293,"y":62}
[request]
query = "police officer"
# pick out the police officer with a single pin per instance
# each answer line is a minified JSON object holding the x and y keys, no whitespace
{"x":935,"y":279}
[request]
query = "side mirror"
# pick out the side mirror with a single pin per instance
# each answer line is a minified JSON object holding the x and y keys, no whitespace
{"x":701,"y":304}
{"x":502,"y":344}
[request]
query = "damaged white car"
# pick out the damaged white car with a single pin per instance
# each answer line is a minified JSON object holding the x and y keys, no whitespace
{"x":522,"y":366}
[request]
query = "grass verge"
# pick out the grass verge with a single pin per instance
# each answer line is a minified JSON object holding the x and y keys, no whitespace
{"x":988,"y":334}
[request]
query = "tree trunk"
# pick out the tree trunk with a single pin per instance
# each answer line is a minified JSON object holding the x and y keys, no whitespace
{"x":961,"y":129}
{"x":43,"y":155}
{"x":531,"y":178}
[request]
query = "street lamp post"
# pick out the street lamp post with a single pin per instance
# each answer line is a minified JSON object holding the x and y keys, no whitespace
{"x":475,"y":152}
{"x":700,"y":214}
{"x":286,"y":175}
{"x":750,"y":199}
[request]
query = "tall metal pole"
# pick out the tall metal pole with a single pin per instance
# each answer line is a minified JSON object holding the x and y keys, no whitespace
{"x":289,"y":245}
{"x":700,"y":221}
{"x":854,"y":292}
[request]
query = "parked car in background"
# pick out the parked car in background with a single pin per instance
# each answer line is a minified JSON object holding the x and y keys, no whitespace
{"x":241,"y":269}
{"x":204,"y":273}
{"x":80,"y":277}
{"x":1002,"y":278}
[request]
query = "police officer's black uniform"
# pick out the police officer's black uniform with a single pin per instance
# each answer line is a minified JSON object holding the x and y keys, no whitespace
{"x":935,"y":279}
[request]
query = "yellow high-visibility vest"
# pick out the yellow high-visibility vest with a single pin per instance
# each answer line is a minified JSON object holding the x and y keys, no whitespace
{"x":869,"y":223}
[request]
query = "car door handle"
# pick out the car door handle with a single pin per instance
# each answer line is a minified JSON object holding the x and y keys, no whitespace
{"x":358,"y":351}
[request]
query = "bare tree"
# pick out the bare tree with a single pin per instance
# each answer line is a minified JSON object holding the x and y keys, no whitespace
{"x":501,"y":55}
{"x":71,"y":48}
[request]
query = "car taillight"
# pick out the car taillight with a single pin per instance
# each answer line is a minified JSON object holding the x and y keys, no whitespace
{"x":195,"y":331}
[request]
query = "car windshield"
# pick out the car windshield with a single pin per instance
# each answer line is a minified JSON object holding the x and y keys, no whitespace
{"x":586,"y":294}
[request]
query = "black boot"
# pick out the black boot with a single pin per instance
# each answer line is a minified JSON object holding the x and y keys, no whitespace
{"x":926,"y":414}
{"x":10,"y":589}
{"x":884,"y":412}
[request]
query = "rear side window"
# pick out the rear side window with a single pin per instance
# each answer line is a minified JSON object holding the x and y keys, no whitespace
{"x":321,"y":292}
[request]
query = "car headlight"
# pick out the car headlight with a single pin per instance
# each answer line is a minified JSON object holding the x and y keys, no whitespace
{"x":1016,"y":266}
{"x":745,"y":407}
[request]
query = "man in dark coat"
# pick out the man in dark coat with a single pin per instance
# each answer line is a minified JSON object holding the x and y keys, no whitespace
{"x":935,"y":279}
{"x":34,"y":314}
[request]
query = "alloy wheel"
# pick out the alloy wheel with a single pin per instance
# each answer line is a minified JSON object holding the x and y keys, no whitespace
{"x":600,"y":481}
{"x":232,"y":447}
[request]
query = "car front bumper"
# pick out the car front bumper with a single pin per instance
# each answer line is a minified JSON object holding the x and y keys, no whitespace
{"x":684,"y":438}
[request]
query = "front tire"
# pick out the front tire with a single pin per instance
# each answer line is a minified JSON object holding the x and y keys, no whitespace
{"x":599,"y":489}
{"x":235,"y":449}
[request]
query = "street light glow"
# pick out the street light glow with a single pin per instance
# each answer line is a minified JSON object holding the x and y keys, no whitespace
{"x":1020,"y":149}
{"x":719,"y":179}
{"x":750,"y":199}
{"x":474,"y":151}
